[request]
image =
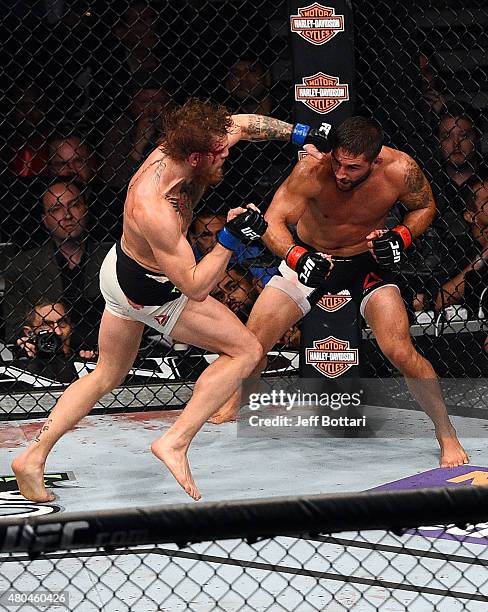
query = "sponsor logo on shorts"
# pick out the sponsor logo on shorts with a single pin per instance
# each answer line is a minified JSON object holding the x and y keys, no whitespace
{"x":321,"y":92}
{"x":161,"y":319}
{"x":331,"y":356}
{"x":371,"y":280}
{"x":332,"y":303}
{"x":317,"y":24}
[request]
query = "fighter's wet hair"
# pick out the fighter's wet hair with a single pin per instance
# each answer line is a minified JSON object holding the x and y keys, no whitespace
{"x":357,"y":136}
{"x":194,"y":127}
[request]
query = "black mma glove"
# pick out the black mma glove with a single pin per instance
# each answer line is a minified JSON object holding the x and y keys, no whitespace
{"x":388,"y":248}
{"x":247,"y":226}
{"x":305,"y":134}
{"x":312,"y":268}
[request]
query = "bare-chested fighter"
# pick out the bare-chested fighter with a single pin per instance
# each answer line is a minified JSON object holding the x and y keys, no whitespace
{"x":151,"y":277}
{"x":339,"y":206}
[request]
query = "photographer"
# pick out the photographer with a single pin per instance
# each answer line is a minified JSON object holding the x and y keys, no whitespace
{"x":46,"y":343}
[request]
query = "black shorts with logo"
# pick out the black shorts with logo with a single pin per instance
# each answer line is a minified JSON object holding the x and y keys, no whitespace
{"x":359,"y":274}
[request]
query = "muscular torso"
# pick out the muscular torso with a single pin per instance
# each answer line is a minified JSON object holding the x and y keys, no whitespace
{"x":337,"y":222}
{"x":174,"y":192}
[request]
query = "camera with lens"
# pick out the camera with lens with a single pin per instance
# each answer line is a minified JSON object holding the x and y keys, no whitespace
{"x":47,"y":344}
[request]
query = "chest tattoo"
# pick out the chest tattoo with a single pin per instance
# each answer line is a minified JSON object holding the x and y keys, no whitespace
{"x":184,"y":200}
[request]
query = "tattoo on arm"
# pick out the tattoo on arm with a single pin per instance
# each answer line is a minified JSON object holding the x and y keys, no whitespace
{"x":419,"y":194}
{"x":266,"y":128}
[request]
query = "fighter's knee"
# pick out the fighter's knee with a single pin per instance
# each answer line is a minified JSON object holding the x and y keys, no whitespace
{"x":254,"y":349}
{"x":399,"y":353}
{"x":107,"y":380}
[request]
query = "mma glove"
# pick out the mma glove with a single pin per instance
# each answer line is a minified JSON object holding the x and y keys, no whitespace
{"x":246,"y":227}
{"x":305,"y":134}
{"x":388,"y":248}
{"x":312,"y":268}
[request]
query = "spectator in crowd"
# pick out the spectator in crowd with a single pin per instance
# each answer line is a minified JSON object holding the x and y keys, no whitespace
{"x":26,"y":146}
{"x":46,"y":342}
{"x":458,"y":140}
{"x":65,"y":267}
{"x":247,"y":88}
{"x":468,"y":284}
{"x":237,"y":290}
{"x":433,"y":86}
{"x":70,"y":154}
{"x":254,"y":171}
{"x":166,"y":46}
{"x":459,"y":137}
{"x":136,"y":133}
{"x":254,"y":258}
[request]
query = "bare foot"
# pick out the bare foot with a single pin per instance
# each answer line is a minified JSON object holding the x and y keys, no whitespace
{"x":452,"y":453}
{"x":30,"y":478}
{"x":176,"y":461}
{"x":224,"y":415}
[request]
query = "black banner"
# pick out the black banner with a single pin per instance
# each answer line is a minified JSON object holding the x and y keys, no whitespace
{"x":329,"y":345}
{"x":322,"y":46}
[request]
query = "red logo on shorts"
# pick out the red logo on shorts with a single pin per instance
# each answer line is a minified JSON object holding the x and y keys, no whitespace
{"x":317,"y":24}
{"x":332,"y":303}
{"x":331,"y":356}
{"x":161,"y":319}
{"x":321,"y":92}
{"x":370,"y":280}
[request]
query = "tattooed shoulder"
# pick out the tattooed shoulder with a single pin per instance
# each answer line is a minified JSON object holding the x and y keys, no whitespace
{"x":417,"y":191}
{"x":183,"y":199}
{"x":160,"y":166}
{"x":414,"y":177}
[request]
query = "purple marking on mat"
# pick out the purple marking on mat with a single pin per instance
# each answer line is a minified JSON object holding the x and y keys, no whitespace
{"x":439,"y":477}
{"x":433,"y":478}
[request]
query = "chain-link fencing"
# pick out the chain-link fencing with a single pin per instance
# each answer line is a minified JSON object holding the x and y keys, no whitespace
{"x":404,"y":550}
{"x":85,"y":85}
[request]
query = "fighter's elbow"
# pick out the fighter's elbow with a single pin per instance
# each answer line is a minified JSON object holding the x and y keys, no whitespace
{"x":196,"y":294}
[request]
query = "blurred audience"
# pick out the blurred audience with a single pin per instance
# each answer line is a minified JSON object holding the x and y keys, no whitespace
{"x":45,"y":344}
{"x":158,"y":45}
{"x":247,"y":88}
{"x":136,"y":133}
{"x":26,"y":146}
{"x":66,"y":266}
{"x":71,"y":155}
{"x":471,"y":279}
{"x":254,"y":171}
{"x":237,"y":290}
{"x":255,"y":258}
{"x":433,"y":85}
{"x":443,"y":246}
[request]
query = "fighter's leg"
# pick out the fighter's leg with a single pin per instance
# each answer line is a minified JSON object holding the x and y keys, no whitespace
{"x":118,"y":345}
{"x":212,"y":326}
{"x":387,"y":317}
{"x":273,"y":313}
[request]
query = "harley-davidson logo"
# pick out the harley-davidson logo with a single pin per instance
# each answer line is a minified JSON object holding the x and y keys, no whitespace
{"x":317,"y":24}
{"x":331,"y":356}
{"x":321,"y":92}
{"x":332,"y":303}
